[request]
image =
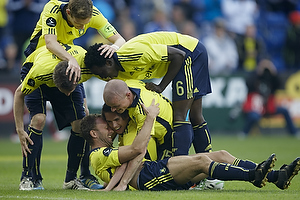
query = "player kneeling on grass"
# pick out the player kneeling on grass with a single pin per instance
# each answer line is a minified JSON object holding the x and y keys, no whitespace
{"x":175,"y":173}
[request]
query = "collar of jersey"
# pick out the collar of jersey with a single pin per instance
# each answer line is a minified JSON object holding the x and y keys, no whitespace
{"x":136,"y":92}
{"x":115,"y":57}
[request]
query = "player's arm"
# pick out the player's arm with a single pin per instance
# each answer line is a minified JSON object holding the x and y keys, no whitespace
{"x":116,"y":177}
{"x":53,"y":46}
{"x":18,"y":116}
{"x":176,"y":58}
{"x":141,"y":143}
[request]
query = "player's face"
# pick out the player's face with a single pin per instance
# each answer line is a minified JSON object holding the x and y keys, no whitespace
{"x":119,"y":104}
{"x":78,"y":23}
{"x":116,"y":122}
{"x":106,"y":72}
{"x":104,"y":132}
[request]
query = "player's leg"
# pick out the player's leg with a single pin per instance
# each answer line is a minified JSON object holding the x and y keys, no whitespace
{"x":202,"y":138}
{"x":35,"y":102}
{"x":186,"y":168}
{"x":183,"y":131}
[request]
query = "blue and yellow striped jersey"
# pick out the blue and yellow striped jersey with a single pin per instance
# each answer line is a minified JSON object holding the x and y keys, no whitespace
{"x":163,"y":122}
{"x":145,"y":56}
{"x":43,"y":63}
{"x":54,"y":21}
{"x":104,"y":161}
{"x":130,"y":133}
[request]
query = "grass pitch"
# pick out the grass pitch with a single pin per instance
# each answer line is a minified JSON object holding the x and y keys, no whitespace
{"x":54,"y":156}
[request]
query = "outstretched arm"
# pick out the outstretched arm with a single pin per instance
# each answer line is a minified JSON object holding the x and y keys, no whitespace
{"x":176,"y":58}
{"x":18,"y":115}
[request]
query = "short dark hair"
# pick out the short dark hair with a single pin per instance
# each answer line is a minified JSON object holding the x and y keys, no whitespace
{"x":61,"y":79}
{"x":87,"y":124}
{"x":81,"y":9}
{"x":93,"y":58}
{"x":107,"y":109}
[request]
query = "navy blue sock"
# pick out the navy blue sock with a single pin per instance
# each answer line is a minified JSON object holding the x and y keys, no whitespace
{"x":36,"y":173}
{"x":29,"y":161}
{"x":247,"y":164}
{"x":227,"y":172}
{"x":75,"y":151}
{"x":182,"y":137}
{"x":202,"y":139}
{"x":85,"y":163}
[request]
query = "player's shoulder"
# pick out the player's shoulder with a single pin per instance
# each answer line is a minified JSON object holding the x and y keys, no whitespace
{"x":53,"y":6}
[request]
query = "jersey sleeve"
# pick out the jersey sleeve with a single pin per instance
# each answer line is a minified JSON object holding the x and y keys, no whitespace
{"x":101,"y":24}
{"x":49,"y":17}
{"x":105,"y":161}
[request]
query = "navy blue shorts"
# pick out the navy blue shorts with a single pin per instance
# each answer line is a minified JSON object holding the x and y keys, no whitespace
{"x":66,"y":109}
{"x":155,"y":176}
{"x":192,"y":80}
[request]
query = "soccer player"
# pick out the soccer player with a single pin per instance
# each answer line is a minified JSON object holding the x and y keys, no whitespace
{"x":69,"y":107}
{"x":121,"y":166}
{"x":127,"y":97}
{"x":127,"y":130}
{"x":179,"y":58}
{"x":62,"y":22}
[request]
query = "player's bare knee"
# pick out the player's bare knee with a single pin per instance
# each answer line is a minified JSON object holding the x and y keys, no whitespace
{"x":38,"y":121}
{"x":202,"y":161}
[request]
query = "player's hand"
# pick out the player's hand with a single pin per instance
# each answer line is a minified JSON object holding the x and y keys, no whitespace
{"x":153,"y":87}
{"x":153,"y":110}
{"x":108,"y":50}
{"x":24,"y":140}
{"x":74,"y":71}
{"x":120,"y":188}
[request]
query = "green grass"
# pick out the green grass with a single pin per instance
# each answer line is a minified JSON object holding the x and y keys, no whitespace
{"x":53,"y":168}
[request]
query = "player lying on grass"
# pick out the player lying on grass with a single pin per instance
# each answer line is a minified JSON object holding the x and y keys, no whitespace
{"x":123,"y":165}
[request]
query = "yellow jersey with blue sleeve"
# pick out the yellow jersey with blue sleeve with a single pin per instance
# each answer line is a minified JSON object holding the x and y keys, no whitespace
{"x":163,"y":122}
{"x":53,"y":20}
{"x":104,"y":161}
{"x":128,"y":136}
{"x":145,"y":56}
{"x":39,"y":66}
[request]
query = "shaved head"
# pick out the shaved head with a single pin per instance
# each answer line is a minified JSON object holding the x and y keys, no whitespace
{"x":117,"y":95}
{"x":114,"y":90}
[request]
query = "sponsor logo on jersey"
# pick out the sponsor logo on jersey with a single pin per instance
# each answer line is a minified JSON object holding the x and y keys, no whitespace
{"x":31,"y":82}
{"x":51,"y":22}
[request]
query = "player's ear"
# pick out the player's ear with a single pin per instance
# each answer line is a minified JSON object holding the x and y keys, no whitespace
{"x":93,"y":133}
{"x":68,"y":11}
{"x":109,"y":62}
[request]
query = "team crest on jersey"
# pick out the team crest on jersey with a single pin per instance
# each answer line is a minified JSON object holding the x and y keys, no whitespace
{"x":163,"y":170}
{"x":31,"y":82}
{"x":51,"y":22}
{"x":107,"y":151}
{"x":81,"y":31}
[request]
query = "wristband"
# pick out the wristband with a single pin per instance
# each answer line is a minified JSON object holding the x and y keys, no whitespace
{"x":115,"y":47}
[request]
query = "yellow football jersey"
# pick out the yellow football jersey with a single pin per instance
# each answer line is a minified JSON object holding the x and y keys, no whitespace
{"x":54,"y":21}
{"x":43,"y":64}
{"x":104,"y":161}
{"x":130,"y":133}
{"x":145,"y":56}
{"x":163,"y":122}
